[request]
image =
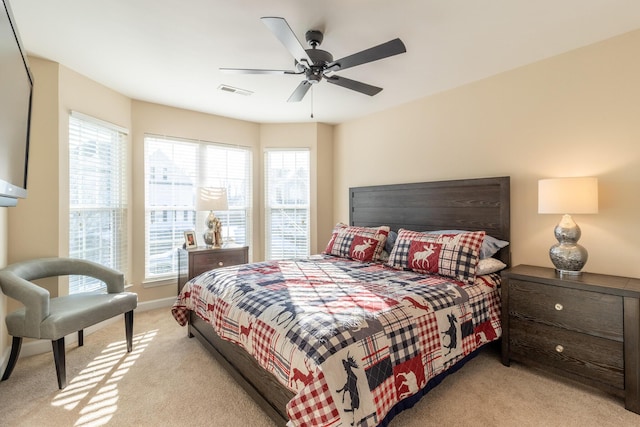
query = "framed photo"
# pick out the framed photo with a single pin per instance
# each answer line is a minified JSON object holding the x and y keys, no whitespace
{"x":190,"y":239}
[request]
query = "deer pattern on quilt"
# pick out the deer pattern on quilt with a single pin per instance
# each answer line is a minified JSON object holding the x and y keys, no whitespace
{"x":365,"y":338}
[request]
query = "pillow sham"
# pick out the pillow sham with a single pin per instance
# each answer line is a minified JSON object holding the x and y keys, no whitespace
{"x":360,"y":243}
{"x":488,"y":266}
{"x":451,"y":255}
{"x":490,"y":245}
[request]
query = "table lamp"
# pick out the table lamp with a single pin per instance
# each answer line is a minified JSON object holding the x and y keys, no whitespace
{"x":568,"y":196}
{"x":212,"y":199}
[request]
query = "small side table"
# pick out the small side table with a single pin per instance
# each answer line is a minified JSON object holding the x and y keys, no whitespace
{"x":586,"y":328}
{"x":195,"y":261}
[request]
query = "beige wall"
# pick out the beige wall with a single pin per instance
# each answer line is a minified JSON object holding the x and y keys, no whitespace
{"x":33,"y":229}
{"x":166,"y":121}
{"x":317,"y":137}
{"x":324,"y":187}
{"x":576,"y":114}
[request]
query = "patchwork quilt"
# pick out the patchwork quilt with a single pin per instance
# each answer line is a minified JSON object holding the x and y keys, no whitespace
{"x":351,"y":339}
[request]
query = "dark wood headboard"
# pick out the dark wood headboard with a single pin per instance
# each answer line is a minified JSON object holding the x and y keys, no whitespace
{"x":465,"y":204}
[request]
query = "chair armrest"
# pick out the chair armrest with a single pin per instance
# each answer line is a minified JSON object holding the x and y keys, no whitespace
{"x":112,"y":278}
{"x":50,"y":267}
{"x":34,"y":298}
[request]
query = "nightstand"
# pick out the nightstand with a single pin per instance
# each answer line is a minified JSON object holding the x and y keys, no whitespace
{"x":586,"y":328}
{"x":192,"y":262}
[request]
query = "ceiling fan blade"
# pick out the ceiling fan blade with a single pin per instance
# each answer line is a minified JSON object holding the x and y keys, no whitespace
{"x":255,"y":71}
{"x":384,"y":50}
{"x":353,"y":85}
{"x":300,"y":92}
{"x":281,"y":29}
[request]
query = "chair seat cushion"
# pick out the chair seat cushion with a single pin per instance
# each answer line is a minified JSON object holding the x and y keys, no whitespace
{"x":72,"y":313}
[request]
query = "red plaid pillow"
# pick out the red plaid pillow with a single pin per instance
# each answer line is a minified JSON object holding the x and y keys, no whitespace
{"x":451,"y":255}
{"x":360,"y":243}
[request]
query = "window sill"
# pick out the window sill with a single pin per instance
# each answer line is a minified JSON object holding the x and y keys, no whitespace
{"x":154,"y":283}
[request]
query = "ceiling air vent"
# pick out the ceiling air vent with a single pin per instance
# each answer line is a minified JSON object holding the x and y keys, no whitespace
{"x":231,"y":89}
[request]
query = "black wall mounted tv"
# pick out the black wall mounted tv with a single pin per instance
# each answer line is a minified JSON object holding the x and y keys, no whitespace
{"x":16,"y":89}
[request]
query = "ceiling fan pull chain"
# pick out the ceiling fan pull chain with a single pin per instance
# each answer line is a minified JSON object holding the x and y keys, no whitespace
{"x":312,"y":102}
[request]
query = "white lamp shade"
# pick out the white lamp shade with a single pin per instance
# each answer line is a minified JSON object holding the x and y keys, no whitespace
{"x":568,"y":195}
{"x":212,"y":199}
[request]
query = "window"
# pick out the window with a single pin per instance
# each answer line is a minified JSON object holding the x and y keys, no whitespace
{"x":287,"y":211}
{"x":174,"y":169}
{"x":97,"y":197}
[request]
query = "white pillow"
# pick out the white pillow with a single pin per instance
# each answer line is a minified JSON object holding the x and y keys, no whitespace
{"x":488,"y":266}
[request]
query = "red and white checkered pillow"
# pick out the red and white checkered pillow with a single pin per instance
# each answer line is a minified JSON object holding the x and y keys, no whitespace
{"x":363,"y":244}
{"x":450,"y":255}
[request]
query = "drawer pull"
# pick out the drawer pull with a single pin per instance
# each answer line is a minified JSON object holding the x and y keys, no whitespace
{"x":559,"y":348}
{"x":220,"y":264}
{"x":559,"y":306}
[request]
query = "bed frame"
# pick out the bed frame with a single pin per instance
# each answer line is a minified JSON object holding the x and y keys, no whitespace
{"x":469,"y":204}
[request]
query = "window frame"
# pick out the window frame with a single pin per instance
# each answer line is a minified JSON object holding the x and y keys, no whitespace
{"x":83,"y":206}
{"x":200,"y":176}
{"x":297,"y":207}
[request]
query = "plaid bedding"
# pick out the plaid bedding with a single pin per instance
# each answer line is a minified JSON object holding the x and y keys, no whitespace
{"x":351,"y":339}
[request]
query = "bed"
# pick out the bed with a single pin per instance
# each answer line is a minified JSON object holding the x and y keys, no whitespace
{"x":304,"y":370}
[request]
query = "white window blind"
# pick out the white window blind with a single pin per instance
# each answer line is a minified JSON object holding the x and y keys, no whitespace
{"x":287,"y":211}
{"x":97,"y":197}
{"x":174,"y":169}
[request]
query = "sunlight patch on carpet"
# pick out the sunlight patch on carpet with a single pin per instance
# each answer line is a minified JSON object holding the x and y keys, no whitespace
{"x":93,"y":393}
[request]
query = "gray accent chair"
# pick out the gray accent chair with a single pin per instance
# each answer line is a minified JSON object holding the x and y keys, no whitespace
{"x":43,"y":317}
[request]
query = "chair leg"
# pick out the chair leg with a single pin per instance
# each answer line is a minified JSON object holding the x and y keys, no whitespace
{"x":13,"y":358}
{"x":128,"y":327}
{"x":58,"y":357}
{"x":80,"y":337}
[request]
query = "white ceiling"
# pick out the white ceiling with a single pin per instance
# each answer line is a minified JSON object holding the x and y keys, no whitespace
{"x":169,"y":51}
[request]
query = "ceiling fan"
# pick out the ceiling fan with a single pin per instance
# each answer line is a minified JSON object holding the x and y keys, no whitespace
{"x":317,"y":64}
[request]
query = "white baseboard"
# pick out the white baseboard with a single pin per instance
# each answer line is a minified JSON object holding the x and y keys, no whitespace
{"x":32,"y":348}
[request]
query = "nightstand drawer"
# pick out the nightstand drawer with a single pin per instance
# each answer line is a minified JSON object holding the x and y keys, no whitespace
{"x":590,"y":357}
{"x":593,"y":313}
{"x":193,"y":262}
{"x":210,"y":261}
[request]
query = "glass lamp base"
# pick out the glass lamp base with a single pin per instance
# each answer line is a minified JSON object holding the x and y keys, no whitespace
{"x":567,"y":255}
{"x":209,"y":237}
{"x":568,"y":273}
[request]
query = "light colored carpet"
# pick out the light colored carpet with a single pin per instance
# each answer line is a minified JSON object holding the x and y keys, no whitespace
{"x":150,"y":387}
